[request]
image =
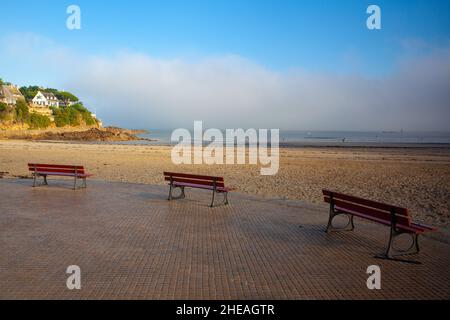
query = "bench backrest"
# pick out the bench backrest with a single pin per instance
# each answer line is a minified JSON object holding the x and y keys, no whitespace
{"x":194,"y":179}
{"x":55,"y":168}
{"x":377,"y":210}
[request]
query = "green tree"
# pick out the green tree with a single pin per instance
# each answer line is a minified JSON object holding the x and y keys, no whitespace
{"x":2,"y":82}
{"x":73,"y":115}
{"x":29,"y":92}
{"x":66,"y":96}
{"x":5,"y":113}
{"x":22,"y":111}
{"x":61,"y":117}
{"x":38,"y":121}
{"x":3,"y":106}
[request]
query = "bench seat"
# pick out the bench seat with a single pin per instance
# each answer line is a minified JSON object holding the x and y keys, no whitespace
{"x":201,"y":186}
{"x":63,"y":174}
{"x":413,"y":227}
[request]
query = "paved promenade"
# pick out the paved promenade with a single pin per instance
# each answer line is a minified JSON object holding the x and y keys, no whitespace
{"x":131,"y":243}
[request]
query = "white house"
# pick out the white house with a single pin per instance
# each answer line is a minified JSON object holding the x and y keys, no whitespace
{"x":45,"y":99}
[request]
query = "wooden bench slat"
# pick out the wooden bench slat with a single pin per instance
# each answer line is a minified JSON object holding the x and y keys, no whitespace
{"x":365,"y":202}
{"x":193,"y":176}
{"x":50,"y":170}
{"x":424,"y":227}
{"x":362,"y":215}
{"x":375,"y":219}
{"x":413,"y":228}
{"x":196,"y":182}
{"x":378,"y":214}
{"x":57,"y":169}
{"x":54,"y":166}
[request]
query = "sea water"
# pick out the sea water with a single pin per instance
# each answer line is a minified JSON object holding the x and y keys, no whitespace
{"x":324,"y":138}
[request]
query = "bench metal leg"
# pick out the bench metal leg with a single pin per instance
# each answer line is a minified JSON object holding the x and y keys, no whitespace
{"x":181,"y":196}
{"x":350,"y":226}
{"x":212,"y":200}
{"x":36,"y":182}
{"x":417,"y":243}
{"x":392,"y":252}
{"x":225,"y":198}
{"x":170,"y":192}
{"x":82,"y":186}
{"x":45,"y":182}
{"x":224,"y":201}
{"x":390,"y":243}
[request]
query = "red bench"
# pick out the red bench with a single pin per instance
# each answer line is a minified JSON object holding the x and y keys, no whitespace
{"x":44,"y":170}
{"x":396,"y":218}
{"x":182,"y":180}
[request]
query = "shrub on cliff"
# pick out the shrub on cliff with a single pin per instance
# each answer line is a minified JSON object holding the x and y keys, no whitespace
{"x":66,"y":96}
{"x":85,"y":114}
{"x":74,"y":115}
{"x":22,"y":112}
{"x":61,"y":116}
{"x":6,"y":112}
{"x":38,"y":121}
{"x":3,"y":106}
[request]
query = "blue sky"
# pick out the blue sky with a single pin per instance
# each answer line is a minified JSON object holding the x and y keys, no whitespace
{"x":318,"y":37}
{"x":315,"y":35}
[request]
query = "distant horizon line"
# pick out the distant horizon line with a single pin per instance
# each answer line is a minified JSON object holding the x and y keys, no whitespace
{"x":297,"y":130}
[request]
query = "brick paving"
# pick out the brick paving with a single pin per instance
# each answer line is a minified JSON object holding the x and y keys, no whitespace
{"x":131,"y":243}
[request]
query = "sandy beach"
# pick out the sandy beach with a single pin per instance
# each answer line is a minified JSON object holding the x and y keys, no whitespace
{"x":416,"y":178}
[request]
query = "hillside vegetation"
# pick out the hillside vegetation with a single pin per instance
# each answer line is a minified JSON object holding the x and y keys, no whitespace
{"x":23,"y":115}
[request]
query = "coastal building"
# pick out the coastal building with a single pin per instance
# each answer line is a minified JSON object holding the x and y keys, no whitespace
{"x":9,"y":94}
{"x":66,"y":103}
{"x":45,"y":99}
